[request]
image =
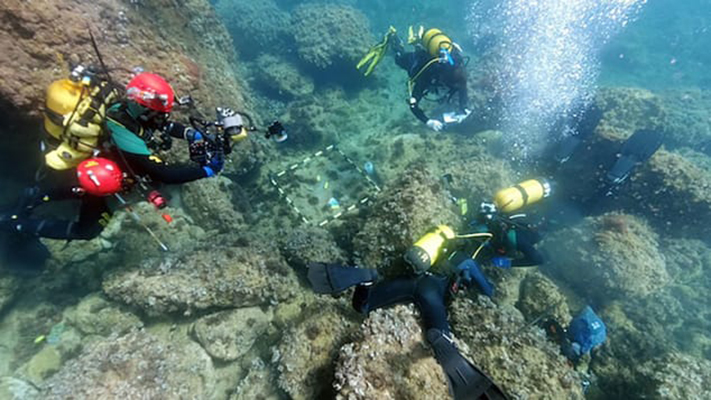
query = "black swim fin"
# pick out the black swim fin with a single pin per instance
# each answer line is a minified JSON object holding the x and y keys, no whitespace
{"x":335,"y":278}
{"x":636,"y":150}
{"x":465,"y":380}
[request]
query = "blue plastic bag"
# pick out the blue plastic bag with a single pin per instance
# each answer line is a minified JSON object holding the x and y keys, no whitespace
{"x":587,"y":331}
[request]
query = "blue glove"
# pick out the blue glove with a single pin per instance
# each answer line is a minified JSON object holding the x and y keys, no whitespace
{"x":217,"y":162}
{"x":208,"y":171}
{"x":501,"y":262}
{"x":469,"y":270}
{"x":193,"y":135}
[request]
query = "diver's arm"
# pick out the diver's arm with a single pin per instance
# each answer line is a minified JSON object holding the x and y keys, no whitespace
{"x":463,"y":98}
{"x":160,"y":172}
{"x":177,"y":130}
{"x":417,"y":111}
{"x":525,"y":244}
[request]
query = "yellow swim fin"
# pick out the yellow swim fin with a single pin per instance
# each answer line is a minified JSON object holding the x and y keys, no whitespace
{"x":376,"y":53}
{"x":413,"y":38}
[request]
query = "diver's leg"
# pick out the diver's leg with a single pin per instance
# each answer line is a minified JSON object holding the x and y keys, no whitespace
{"x":384,"y":294}
{"x":89,"y":226}
{"x":430,"y":297}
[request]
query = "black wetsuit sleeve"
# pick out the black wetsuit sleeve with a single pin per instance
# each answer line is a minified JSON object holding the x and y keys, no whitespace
{"x":160,"y":172}
{"x":463,"y":98}
{"x":417,"y":111}
{"x":412,"y":62}
{"x":176,"y":130}
{"x":525,"y":244}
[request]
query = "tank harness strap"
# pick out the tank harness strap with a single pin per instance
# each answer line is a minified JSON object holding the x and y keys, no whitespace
{"x":411,"y":81}
{"x":524,"y":194}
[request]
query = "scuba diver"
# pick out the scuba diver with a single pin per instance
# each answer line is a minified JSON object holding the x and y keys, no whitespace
{"x":442,"y":264}
{"x":100,"y":136}
{"x":436,"y":66}
{"x":430,"y":293}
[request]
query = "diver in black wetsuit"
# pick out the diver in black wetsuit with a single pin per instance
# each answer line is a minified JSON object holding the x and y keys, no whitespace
{"x":430,"y":293}
{"x":133,"y":124}
{"x":436,"y":66}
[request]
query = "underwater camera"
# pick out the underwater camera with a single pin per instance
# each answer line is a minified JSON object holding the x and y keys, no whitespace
{"x":276,"y":130}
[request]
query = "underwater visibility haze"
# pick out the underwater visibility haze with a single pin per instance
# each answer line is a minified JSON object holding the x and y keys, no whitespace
{"x":350,"y":199}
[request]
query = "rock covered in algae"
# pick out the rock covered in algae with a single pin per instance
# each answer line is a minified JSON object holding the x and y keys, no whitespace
{"x":258,"y":384}
{"x":328,"y":35}
{"x":389,"y":359}
{"x":210,"y":203}
{"x":17,"y":389}
{"x":688,"y":124}
{"x":609,"y":256}
{"x":227,"y":276}
{"x":8,"y":288}
{"x":523,"y":363}
{"x":311,"y":244}
{"x":403,"y":212}
{"x":94,"y":315}
{"x":675,"y":193}
{"x":134,"y":366}
{"x":627,"y":109}
{"x":228,"y":335}
{"x":134,"y":244}
{"x":677,"y":376}
{"x":540,"y":296}
{"x":281,"y":78}
{"x":307,"y":351}
{"x":173,"y":39}
{"x":256,"y":26}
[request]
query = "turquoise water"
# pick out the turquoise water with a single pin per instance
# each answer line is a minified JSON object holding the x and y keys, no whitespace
{"x":621,"y":203}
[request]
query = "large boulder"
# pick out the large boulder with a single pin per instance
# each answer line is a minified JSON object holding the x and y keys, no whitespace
{"x":330,"y":35}
{"x":137,"y":365}
{"x":677,"y":376}
{"x":210,"y":203}
{"x":406,"y":210}
{"x":609,"y":256}
{"x":94,"y":315}
{"x":228,"y":276}
{"x":177,"y":40}
{"x":307,"y":351}
{"x":524,"y":363}
{"x":389,"y":359}
{"x":228,"y":335}
{"x":256,"y":26}
{"x":539,"y":296}
{"x":310,"y":244}
{"x":674,"y":192}
{"x":280,"y":78}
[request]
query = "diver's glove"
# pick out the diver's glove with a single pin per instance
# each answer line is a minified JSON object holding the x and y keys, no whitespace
{"x":435,"y":124}
{"x":469,"y":272}
{"x":501,"y":262}
{"x":193,"y":135}
{"x":214,"y":166}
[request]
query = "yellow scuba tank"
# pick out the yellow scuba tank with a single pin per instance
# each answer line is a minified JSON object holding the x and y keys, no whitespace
{"x":74,"y":116}
{"x":435,"y":40}
{"x":62,"y":97}
{"x":525,"y":193}
{"x":427,"y":250}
